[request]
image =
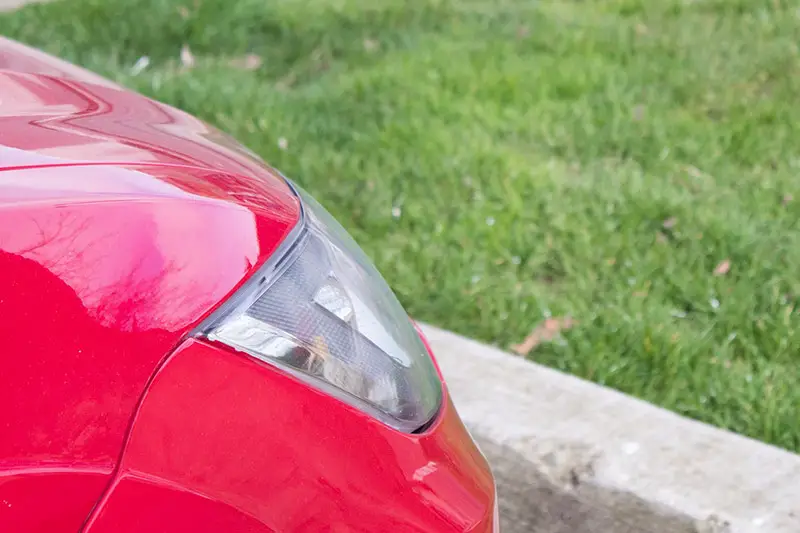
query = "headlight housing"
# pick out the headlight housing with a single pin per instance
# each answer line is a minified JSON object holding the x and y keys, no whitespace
{"x":320,"y":311}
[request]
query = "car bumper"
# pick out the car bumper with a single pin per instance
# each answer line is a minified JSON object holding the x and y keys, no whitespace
{"x":225,"y":442}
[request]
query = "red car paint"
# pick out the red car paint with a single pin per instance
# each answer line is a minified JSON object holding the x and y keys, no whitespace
{"x":123,"y":224}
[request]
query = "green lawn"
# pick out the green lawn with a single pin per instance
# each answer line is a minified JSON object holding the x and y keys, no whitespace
{"x":505,"y":160}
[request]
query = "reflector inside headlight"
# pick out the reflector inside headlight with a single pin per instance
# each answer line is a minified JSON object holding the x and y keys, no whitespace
{"x":323,"y":313}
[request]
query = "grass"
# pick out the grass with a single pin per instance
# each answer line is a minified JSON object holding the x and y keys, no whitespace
{"x":504,"y":161}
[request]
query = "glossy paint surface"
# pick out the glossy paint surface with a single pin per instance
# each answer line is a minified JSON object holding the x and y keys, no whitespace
{"x":44,"y":499}
{"x":52,"y":120}
{"x":105,"y":270}
{"x":17,"y":57}
{"x":271,"y":449}
{"x":123,"y":223}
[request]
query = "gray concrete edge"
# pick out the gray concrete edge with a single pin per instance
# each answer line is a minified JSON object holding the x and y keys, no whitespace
{"x":552,"y":437}
{"x":9,"y":5}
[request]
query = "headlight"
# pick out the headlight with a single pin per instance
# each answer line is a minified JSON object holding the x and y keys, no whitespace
{"x":320,"y":311}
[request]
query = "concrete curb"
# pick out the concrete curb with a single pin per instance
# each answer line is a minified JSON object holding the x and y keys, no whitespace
{"x":602,"y":461}
{"x":8,"y":5}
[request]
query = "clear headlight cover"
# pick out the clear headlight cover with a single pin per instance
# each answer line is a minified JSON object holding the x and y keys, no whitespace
{"x":324,"y":314}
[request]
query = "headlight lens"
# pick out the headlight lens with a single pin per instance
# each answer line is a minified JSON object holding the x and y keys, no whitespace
{"x":323,"y":313}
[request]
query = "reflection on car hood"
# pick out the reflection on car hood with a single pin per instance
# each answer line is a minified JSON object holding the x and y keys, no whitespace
{"x":123,"y":223}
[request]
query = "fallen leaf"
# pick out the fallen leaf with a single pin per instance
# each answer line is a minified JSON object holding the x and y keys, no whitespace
{"x":669,"y":223}
{"x":640,"y":294}
{"x":544,"y":332}
{"x":187,"y":58}
{"x":641,"y":29}
{"x":723,"y":268}
{"x":248,"y":62}
{"x":370,"y":45}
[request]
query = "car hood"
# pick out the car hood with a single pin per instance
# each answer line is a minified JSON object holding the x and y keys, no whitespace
{"x":123,"y":223}
{"x":55,"y":120}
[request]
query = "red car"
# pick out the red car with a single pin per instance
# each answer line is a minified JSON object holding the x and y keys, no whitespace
{"x":191,"y":343}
